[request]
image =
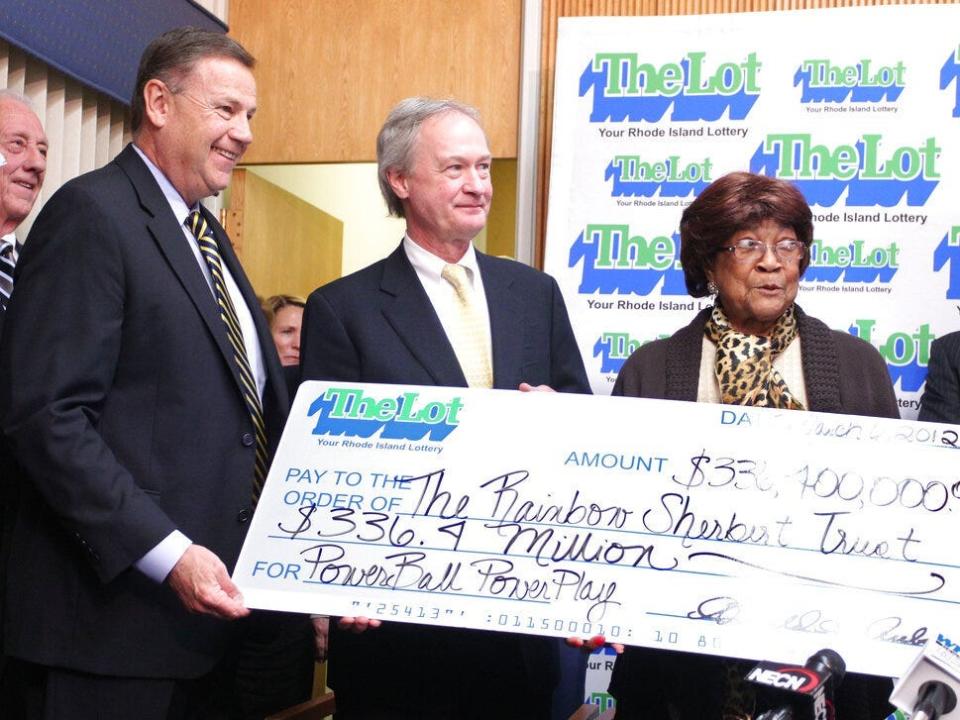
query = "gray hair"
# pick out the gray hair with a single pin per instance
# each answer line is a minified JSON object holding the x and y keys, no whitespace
{"x":399,"y":134}
{"x":14,"y":96}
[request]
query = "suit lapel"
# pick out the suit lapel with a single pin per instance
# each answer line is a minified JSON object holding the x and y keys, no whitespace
{"x":163,"y":227}
{"x":411,"y":315}
{"x":506,"y":327}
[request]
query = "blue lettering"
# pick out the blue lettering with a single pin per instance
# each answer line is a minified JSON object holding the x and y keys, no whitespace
{"x":950,"y":73}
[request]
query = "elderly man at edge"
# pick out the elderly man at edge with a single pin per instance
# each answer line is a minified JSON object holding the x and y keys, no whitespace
{"x":398,"y":321}
{"x":746,"y":241}
{"x":23,"y":164}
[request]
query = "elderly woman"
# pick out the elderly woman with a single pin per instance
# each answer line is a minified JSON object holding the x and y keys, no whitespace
{"x":746,"y":241}
{"x":285,"y":315}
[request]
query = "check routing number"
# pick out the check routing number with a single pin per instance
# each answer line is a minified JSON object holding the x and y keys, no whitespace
{"x":746,"y":532}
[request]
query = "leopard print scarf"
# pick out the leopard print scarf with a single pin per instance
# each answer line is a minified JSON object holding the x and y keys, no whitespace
{"x":744,"y":365}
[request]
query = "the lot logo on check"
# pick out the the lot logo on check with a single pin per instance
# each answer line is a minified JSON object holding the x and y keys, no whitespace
{"x":699,"y":88}
{"x":351,"y":412}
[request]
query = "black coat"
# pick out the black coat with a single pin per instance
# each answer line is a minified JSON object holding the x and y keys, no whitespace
{"x":941,"y":395}
{"x":120,"y":401}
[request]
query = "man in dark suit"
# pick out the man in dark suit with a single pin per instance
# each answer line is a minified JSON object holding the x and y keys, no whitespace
{"x":141,"y":396}
{"x":438,"y":312}
{"x":941,"y":395}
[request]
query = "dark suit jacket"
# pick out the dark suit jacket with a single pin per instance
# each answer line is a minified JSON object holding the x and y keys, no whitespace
{"x":121,"y":403}
{"x":378,"y":325}
{"x":941,"y":395}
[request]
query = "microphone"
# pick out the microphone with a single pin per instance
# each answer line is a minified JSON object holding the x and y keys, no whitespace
{"x":936,"y":699}
{"x":928,"y":689}
{"x":798,"y":693}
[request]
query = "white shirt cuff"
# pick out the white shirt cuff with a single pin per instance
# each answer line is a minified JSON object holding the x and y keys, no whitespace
{"x":159,"y":561}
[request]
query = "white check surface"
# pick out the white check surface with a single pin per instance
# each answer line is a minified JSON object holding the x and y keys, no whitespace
{"x":736,"y":531}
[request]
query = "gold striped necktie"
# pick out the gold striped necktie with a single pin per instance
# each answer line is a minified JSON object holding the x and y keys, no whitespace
{"x":211,"y":255}
{"x":469,"y":337}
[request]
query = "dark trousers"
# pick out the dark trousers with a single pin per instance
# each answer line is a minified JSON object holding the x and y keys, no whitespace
{"x":413,"y":672}
{"x":571,"y":690}
{"x":270,"y":668}
{"x":477,"y":701}
{"x":45,"y":693}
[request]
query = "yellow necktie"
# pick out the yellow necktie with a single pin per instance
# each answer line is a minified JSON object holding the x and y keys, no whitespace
{"x":469,"y":335}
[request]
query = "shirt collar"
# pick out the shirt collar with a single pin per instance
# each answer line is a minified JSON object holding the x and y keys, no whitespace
{"x":427,"y":264}
{"x":176,"y":202}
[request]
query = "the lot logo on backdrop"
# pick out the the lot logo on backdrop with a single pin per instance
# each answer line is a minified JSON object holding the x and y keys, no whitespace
{"x":853,"y":263}
{"x":948,"y":253}
{"x":873,"y":174}
{"x":613,"y":349}
{"x":865,"y":81}
{"x":906,"y":354}
{"x":950,"y":73}
{"x":614,"y":261}
{"x":351,"y":412}
{"x":698,"y":87}
{"x":636,"y":175}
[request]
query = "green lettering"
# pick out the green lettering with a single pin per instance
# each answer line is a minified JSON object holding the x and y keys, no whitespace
{"x":614,"y":63}
{"x":342,"y":398}
{"x":386,"y":409}
{"x":407,"y":401}
{"x":456,"y":405}
{"x":604,"y":236}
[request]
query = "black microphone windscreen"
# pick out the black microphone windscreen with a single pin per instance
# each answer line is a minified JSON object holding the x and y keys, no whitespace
{"x":828,"y":661}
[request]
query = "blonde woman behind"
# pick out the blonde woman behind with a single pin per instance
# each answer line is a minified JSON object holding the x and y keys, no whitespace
{"x":285,"y":314}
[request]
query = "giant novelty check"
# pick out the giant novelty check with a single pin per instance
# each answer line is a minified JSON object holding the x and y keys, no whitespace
{"x":738,"y":531}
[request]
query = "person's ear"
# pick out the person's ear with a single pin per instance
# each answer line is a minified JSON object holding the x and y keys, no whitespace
{"x":157,"y":102}
{"x":399,"y":183}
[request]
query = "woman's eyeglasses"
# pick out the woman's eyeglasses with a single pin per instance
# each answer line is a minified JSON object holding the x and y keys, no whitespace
{"x":747,"y":249}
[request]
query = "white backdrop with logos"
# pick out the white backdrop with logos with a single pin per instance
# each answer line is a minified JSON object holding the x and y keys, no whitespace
{"x":845,"y":102}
